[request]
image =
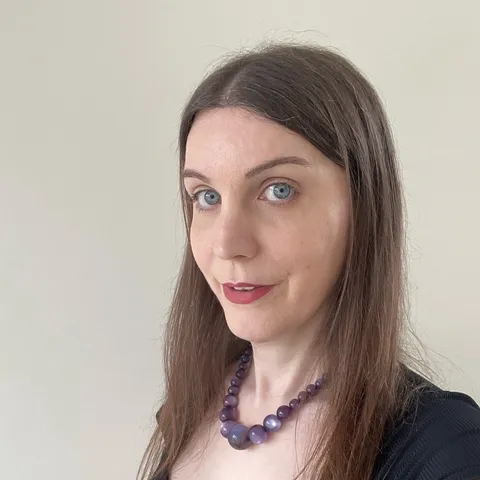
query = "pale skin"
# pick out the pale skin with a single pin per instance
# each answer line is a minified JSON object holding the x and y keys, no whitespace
{"x":269,"y":209}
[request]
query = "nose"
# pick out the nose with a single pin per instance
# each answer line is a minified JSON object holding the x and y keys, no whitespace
{"x":234,"y":235}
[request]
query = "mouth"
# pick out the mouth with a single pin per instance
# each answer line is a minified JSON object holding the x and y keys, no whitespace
{"x":244,"y":293}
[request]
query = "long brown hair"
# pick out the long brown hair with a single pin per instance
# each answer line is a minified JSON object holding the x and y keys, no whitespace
{"x":322,"y":96}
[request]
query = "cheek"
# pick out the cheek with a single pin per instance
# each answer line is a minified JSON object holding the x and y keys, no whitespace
{"x":199,"y":244}
{"x":202,"y":251}
{"x":316,"y":247}
{"x":328,"y":247}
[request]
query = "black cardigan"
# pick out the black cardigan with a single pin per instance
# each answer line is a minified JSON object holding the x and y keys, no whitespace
{"x":436,"y":438}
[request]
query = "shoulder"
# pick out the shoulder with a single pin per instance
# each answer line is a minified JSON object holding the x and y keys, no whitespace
{"x":437,"y":437}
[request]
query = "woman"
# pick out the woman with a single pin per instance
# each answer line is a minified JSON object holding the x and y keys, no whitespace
{"x":285,"y":349}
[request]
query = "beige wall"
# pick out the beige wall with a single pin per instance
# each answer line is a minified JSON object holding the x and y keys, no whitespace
{"x":90,"y":94}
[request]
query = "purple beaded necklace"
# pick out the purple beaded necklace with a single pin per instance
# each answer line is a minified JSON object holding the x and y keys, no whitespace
{"x":240,"y":436}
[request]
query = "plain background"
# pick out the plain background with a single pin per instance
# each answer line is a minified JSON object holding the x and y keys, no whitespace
{"x":90,"y":237}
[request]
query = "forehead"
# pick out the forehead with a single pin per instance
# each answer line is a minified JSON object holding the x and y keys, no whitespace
{"x":240,"y":139}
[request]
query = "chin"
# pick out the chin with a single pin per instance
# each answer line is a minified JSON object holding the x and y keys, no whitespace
{"x":253,"y":328}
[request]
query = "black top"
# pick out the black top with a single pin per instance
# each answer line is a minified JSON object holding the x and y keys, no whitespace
{"x":436,"y":438}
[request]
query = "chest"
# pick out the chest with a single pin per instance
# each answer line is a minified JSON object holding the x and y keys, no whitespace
{"x":278,"y":459}
{"x":210,"y":457}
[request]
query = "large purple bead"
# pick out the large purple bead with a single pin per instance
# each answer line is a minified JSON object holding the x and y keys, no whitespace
{"x":225,"y":427}
{"x":230,"y":401}
{"x":245,"y":358}
{"x":238,"y":437}
{"x":227,"y":413}
{"x":257,"y":434}
{"x":241,"y":373}
{"x":243,"y":366}
{"x":272,"y":423}
{"x":283,"y":412}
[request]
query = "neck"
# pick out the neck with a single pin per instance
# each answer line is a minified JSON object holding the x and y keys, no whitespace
{"x":280,"y":369}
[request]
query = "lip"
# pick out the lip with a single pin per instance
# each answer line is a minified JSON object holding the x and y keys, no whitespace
{"x":245,"y":297}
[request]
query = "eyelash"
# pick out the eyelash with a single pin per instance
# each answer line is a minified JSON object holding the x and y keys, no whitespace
{"x":193,"y":198}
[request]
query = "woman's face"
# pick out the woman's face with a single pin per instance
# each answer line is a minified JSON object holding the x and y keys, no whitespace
{"x":270,"y":211}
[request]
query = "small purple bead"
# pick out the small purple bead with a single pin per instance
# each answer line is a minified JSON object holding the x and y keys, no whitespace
{"x":257,"y":434}
{"x":241,"y":374}
{"x":294,"y":403}
{"x":243,"y":366}
{"x":245,"y":358}
{"x":227,"y":413}
{"x":319,"y":383}
{"x":283,"y":412}
{"x":233,"y":390}
{"x":230,"y":401}
{"x":238,"y":437}
{"x":311,"y":389}
{"x":272,"y":423}
{"x":225,"y":427}
{"x":236,"y":381}
{"x":303,"y":396}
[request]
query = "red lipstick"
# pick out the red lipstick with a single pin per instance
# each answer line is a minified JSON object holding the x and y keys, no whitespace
{"x":250,"y":293}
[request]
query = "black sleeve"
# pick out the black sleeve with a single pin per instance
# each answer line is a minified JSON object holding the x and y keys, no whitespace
{"x":439,"y":442}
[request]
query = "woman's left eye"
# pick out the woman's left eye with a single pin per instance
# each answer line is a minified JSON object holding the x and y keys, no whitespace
{"x":279,"y":192}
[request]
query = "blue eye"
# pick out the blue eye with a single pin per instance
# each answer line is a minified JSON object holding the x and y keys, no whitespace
{"x":279,"y":191}
{"x":206,"y":199}
{"x":276,"y":193}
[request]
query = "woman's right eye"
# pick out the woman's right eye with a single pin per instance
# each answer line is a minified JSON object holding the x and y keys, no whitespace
{"x":205,"y":199}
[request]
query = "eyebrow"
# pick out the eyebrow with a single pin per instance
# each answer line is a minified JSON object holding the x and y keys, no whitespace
{"x":291,"y":160}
